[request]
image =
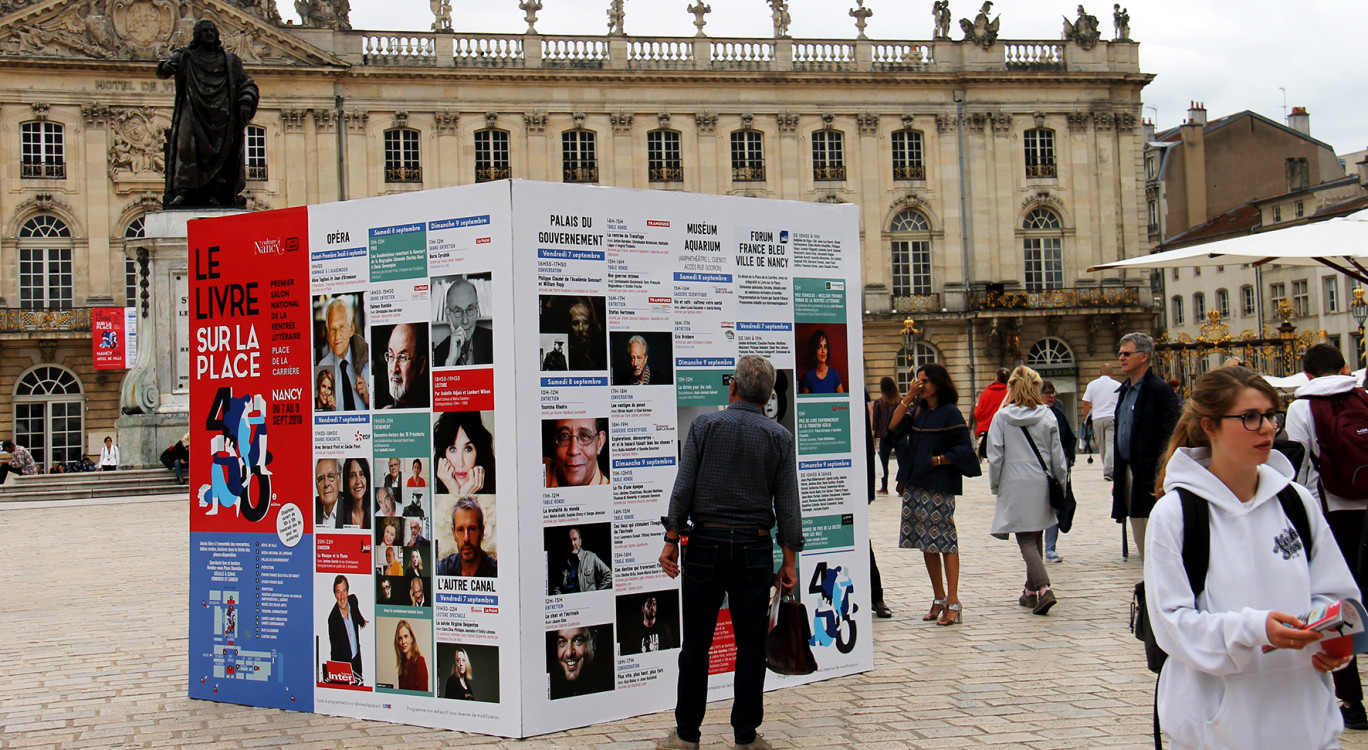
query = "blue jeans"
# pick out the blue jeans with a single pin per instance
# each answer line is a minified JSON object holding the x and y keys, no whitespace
{"x":740,"y":566}
{"x":1051,"y":536}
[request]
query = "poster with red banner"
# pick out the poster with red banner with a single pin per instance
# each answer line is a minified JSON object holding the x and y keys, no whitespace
{"x":109,"y":341}
{"x":251,"y":549}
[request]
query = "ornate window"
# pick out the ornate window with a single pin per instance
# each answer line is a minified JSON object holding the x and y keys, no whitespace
{"x":491,"y":155}
{"x":1050,"y":352}
{"x":578,"y":158}
{"x":907,"y":155}
{"x":402,"y":163}
{"x":1223,"y":303}
{"x":663,"y":161}
{"x":1040,"y":152}
{"x":49,"y":414}
{"x":1044,"y":247}
{"x":256,"y":153}
{"x":828,"y":155}
{"x":134,"y":230}
{"x":45,"y":258}
{"x":1177,"y":310}
{"x":1247,"y":301}
{"x":906,"y":366}
{"x":911,"y":252}
{"x":43,"y":151}
{"x":748,"y":156}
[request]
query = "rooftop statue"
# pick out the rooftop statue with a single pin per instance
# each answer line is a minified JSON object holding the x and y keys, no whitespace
{"x":616,"y":18}
{"x":940,"y":12}
{"x":1084,"y":31}
{"x":215,"y":99}
{"x":1121,"y":22}
{"x":327,"y":14}
{"x":780,"y":13}
{"x":441,"y":14}
{"x":981,"y":31}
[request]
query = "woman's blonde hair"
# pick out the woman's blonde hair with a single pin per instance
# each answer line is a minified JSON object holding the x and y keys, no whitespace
{"x":399,"y":658}
{"x":1023,"y":388}
{"x":1215,"y":393}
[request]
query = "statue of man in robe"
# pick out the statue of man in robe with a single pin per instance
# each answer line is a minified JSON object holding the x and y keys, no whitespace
{"x":215,"y":99}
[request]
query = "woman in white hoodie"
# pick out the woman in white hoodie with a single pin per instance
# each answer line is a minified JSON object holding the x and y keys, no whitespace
{"x":1016,"y":477}
{"x":1218,"y":688}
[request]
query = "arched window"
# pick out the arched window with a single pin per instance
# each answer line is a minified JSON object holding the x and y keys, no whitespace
{"x":1247,"y":301}
{"x":1223,"y":303}
{"x":134,"y":231}
{"x":45,"y":272}
{"x":1177,"y":310}
{"x":1049,"y":352}
{"x":49,"y":414}
{"x":579,"y":158}
{"x":908,"y":163}
{"x":402,"y":163}
{"x":663,"y":160}
{"x":910,"y":247}
{"x":491,"y":155}
{"x":906,"y":366}
{"x":1044,"y":247}
{"x":1199,"y":307}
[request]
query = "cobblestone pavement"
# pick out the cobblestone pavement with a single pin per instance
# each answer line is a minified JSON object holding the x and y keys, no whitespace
{"x":94,"y":649}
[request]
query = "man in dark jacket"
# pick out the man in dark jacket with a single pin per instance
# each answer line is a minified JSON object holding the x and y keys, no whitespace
{"x":1146,"y":411}
{"x":1066,"y":436}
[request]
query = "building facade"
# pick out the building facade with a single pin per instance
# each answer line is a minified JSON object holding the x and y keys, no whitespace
{"x":990,"y":173}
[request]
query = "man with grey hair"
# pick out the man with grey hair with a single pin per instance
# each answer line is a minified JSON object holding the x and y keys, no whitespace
{"x":1099,"y":405}
{"x":468,"y":529}
{"x":348,"y":353}
{"x":638,"y":354}
{"x":1146,"y":411}
{"x":728,"y":504}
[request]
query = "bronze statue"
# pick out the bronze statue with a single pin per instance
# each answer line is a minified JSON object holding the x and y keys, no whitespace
{"x":215,"y":99}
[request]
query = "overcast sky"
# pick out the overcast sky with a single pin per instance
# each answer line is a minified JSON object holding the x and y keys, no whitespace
{"x":1231,"y":55}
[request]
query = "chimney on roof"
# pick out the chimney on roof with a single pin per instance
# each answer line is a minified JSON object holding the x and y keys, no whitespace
{"x":1197,"y":113}
{"x":1300,"y":120}
{"x":1147,"y":129}
{"x":1363,"y":171}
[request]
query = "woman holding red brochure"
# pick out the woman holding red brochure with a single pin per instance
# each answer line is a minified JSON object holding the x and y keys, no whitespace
{"x":1219,"y":689}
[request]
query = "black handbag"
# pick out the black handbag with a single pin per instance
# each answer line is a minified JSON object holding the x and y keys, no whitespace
{"x":1059,"y":498}
{"x":786,"y":647}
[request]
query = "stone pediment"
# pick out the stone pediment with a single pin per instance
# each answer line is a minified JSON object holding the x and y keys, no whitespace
{"x":144,"y":30}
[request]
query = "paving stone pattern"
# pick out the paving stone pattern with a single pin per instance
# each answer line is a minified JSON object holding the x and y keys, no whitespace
{"x":94,"y":649}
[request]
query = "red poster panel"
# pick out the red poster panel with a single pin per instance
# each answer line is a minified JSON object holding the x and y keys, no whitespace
{"x":108,"y":338}
{"x":250,"y":405}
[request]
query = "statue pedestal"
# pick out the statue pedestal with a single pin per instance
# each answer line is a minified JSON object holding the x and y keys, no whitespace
{"x":155,"y":396}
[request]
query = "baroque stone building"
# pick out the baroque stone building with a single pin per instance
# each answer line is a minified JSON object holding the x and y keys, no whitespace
{"x":990,"y":173}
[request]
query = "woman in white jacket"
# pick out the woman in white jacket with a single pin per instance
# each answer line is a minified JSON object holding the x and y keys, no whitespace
{"x":1218,"y":688}
{"x":1016,"y":478}
{"x":109,"y":455}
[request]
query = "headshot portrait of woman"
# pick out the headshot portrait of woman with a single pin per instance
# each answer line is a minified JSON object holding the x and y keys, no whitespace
{"x":417,"y":479}
{"x":460,"y":685}
{"x":1218,"y":686}
{"x":355,"y":510}
{"x":325,"y":390}
{"x":413,"y":670}
{"x":821,"y":377}
{"x":464,"y":454}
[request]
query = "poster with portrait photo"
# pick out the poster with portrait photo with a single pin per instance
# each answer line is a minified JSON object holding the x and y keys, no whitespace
{"x":463,"y":453}
{"x":403,"y":650}
{"x":391,"y":473}
{"x":468,"y":672}
{"x":339,"y":322}
{"x":391,"y":590}
{"x":417,"y":591}
{"x":417,"y":561}
{"x":344,"y":660}
{"x":388,"y":502}
{"x":417,"y":502}
{"x":581,"y":319}
{"x":642,"y":358}
{"x":417,"y":531}
{"x":325,"y":388}
{"x":575,"y":452}
{"x":417,"y":472}
{"x":400,"y":360}
{"x":462,"y":326}
{"x":465,"y":531}
{"x":822,"y":356}
{"x":551,"y":353}
{"x":354,"y":504}
{"x":579,"y":660}
{"x":648,"y":621}
{"x":579,"y":558}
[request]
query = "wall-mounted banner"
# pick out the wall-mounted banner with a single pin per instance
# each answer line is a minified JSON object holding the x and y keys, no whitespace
{"x":112,"y":338}
{"x":435,"y":432}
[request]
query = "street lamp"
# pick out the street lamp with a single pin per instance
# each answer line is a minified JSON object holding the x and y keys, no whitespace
{"x":1359,"y":309}
{"x":909,"y":332}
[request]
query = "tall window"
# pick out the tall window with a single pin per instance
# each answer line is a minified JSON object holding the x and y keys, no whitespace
{"x":1153,"y":207}
{"x":907,"y":362}
{"x":401,"y":156}
{"x":256,"y":152}
{"x":907,"y":155}
{"x":1301,"y":209}
{"x":134,"y":230}
{"x":1277,"y":213}
{"x":1247,"y":301}
{"x":491,"y":155}
{"x":45,"y":272}
{"x":828,"y":155}
{"x":1043,"y":243}
{"x":48,"y":414}
{"x":1177,"y":310}
{"x":663,"y":161}
{"x":1301,"y":298}
{"x":43,"y":153}
{"x":578,"y":160}
{"x":1276,"y":292}
{"x":911,"y":248}
{"x":1040,"y":152}
{"x":1223,"y":303}
{"x":748,"y":156}
{"x":1330,"y":293}
{"x":1199,"y":307}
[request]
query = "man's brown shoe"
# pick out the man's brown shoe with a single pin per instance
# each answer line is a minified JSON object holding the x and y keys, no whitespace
{"x":759,"y":743}
{"x":672,"y":742}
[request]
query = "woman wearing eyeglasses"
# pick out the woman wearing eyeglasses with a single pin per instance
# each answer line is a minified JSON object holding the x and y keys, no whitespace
{"x":464,"y":454}
{"x":1218,"y":687}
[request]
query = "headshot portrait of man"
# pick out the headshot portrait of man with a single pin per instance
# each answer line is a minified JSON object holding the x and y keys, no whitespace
{"x":555,"y":358}
{"x":648,"y":628}
{"x":405,"y":364}
{"x":393,"y":480}
{"x":415,"y":536}
{"x":575,"y":664}
{"x":386,"y":590}
{"x":468,"y":529}
{"x":639,"y":369}
{"x":466,"y":342}
{"x":579,"y":569}
{"x":417,"y":593}
{"x":586,"y":336}
{"x":328,"y":484}
{"x":579,"y":321}
{"x":348,"y":353}
{"x":576,"y":454}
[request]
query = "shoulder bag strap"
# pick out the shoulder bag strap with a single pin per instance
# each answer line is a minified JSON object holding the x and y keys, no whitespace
{"x":1035,"y":450}
{"x":1196,"y":540}
{"x":1296,"y":513}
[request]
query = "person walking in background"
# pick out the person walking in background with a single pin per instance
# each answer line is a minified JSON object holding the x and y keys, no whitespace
{"x":988,"y":404}
{"x":1218,"y":688}
{"x":1066,"y":436}
{"x":109,"y":455}
{"x":1330,"y":379}
{"x":881,"y":415}
{"x":875,"y":579}
{"x":1146,"y":410}
{"x":1024,"y":436}
{"x":1099,"y":405}
{"x":936,"y":456}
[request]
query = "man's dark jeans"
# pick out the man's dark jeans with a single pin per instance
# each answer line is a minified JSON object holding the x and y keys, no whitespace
{"x":741,"y":566}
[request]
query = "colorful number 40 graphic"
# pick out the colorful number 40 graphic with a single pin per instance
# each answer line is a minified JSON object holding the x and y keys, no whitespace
{"x":238,"y":468}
